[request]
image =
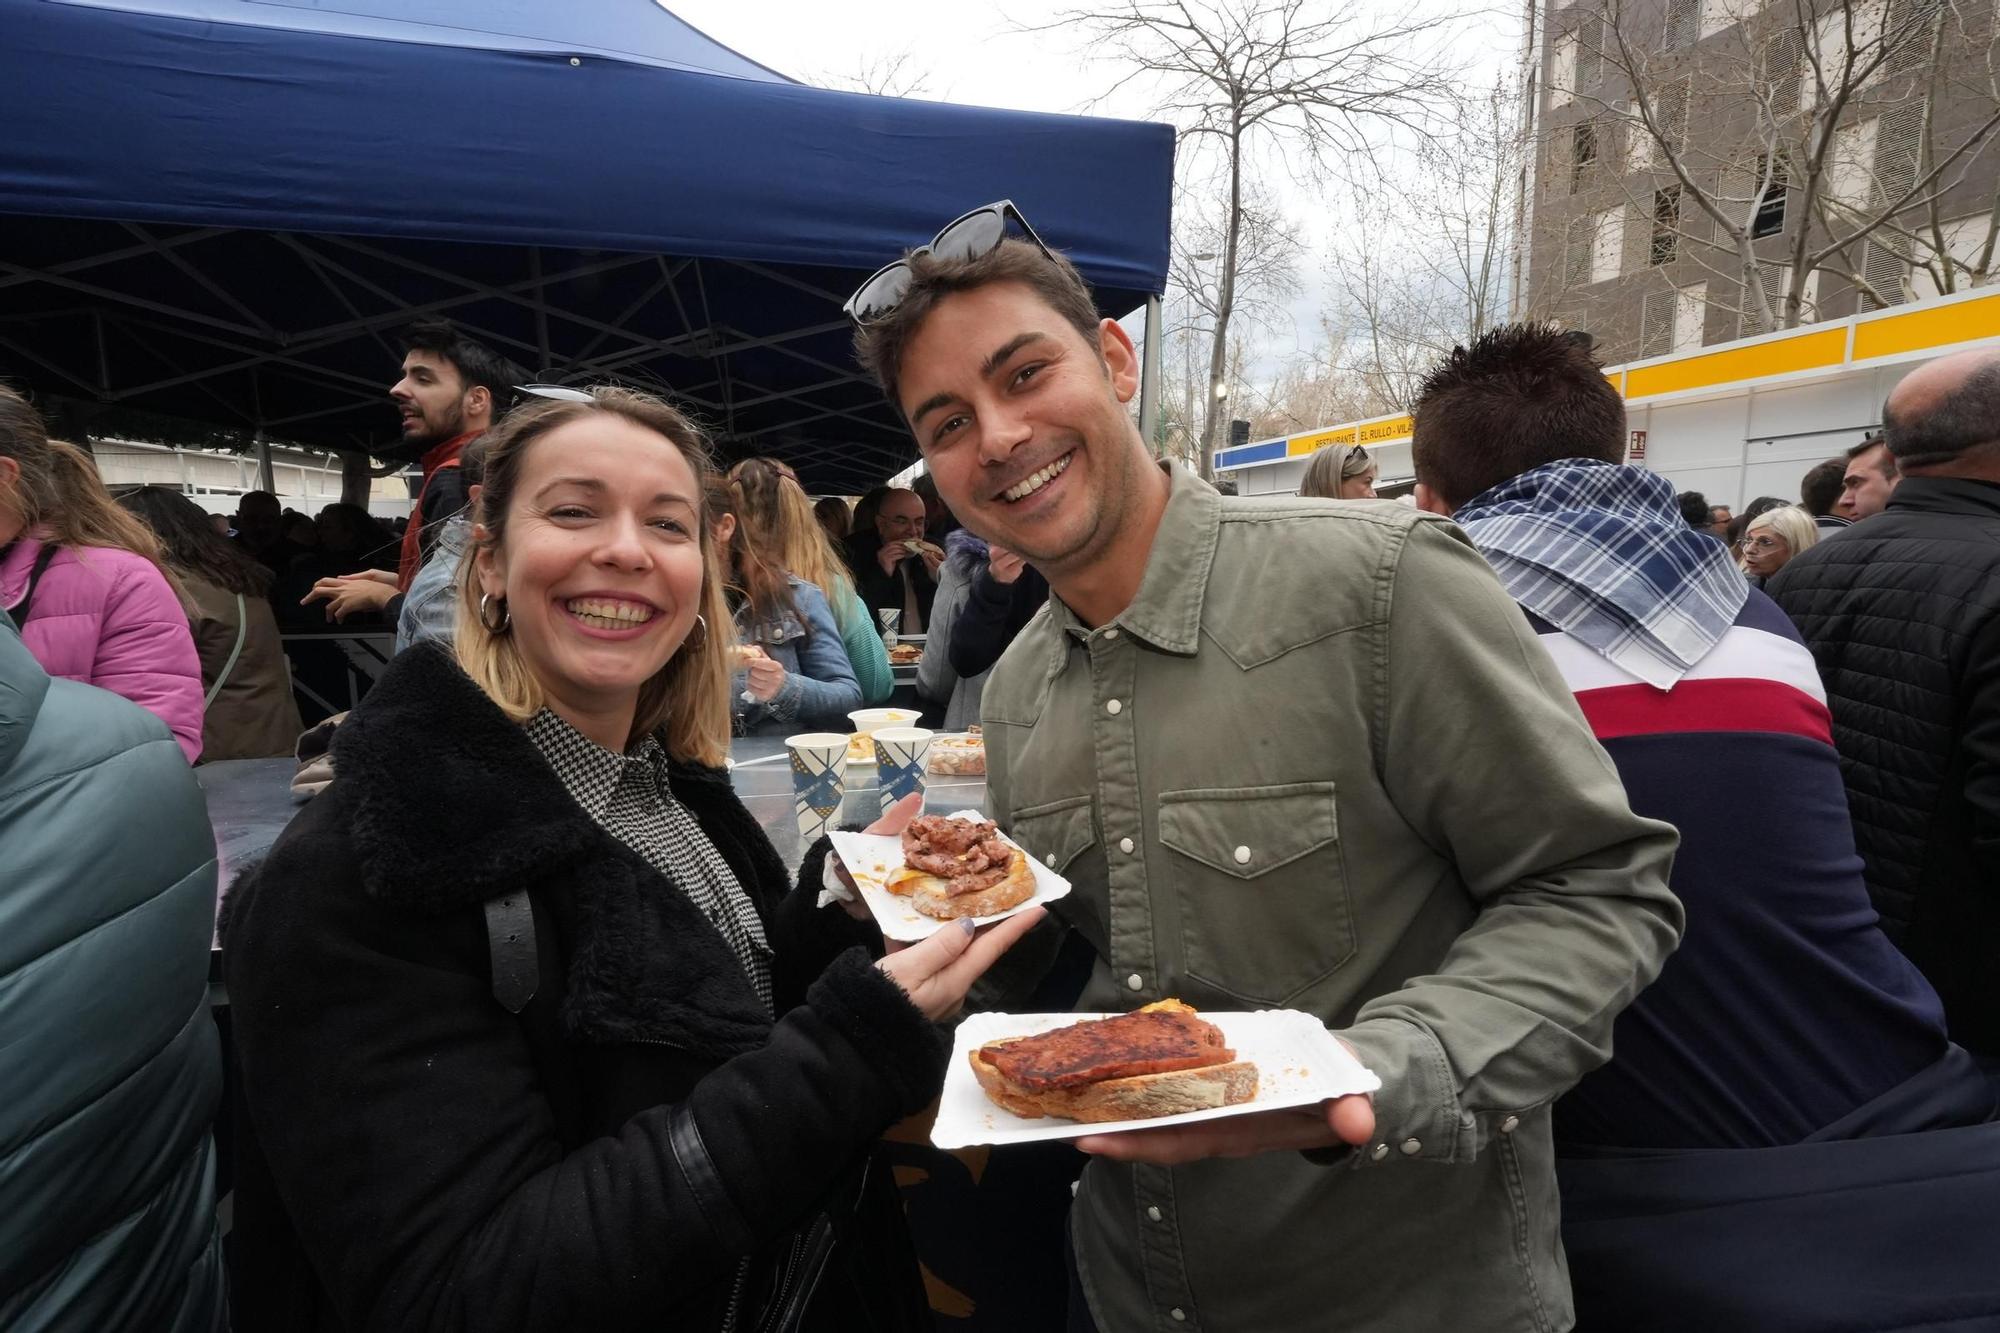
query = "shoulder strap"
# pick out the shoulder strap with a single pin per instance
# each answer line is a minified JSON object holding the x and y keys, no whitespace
{"x":20,"y":610}
{"x":510,"y":944}
{"x":242,"y":628}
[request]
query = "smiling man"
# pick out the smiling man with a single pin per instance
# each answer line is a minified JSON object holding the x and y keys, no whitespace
{"x":1291,"y":753}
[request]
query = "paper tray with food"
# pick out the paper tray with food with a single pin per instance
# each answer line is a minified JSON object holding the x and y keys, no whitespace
{"x":895,"y":891}
{"x":1172,"y":1072}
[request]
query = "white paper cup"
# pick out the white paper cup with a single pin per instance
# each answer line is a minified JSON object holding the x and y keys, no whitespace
{"x":819,"y":780}
{"x":900,"y":753}
{"x":868,"y":719}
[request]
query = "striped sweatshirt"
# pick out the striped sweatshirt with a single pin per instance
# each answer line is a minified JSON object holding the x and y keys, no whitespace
{"x":1785,"y":1006}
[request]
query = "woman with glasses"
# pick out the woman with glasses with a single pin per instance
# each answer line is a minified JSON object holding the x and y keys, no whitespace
{"x":1774,"y":537}
{"x":1340,"y":472}
{"x":534,"y":1031}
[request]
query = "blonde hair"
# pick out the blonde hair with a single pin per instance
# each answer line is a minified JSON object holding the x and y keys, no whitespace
{"x":778,"y":518}
{"x":1792,"y":524}
{"x":1332,"y":465}
{"x":61,"y":500}
{"x":688,"y":698}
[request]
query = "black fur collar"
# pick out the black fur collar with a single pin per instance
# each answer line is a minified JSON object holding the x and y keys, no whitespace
{"x":450,"y":804}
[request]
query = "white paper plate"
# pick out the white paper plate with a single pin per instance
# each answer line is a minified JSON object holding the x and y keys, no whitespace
{"x":871,"y":857}
{"x":1298,"y":1063}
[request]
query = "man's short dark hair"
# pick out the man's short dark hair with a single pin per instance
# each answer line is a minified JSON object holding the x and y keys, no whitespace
{"x":1819,"y":489}
{"x":1888,"y":460}
{"x":879,"y":346}
{"x":1763,"y":504}
{"x":476,"y":363}
{"x":1962,"y":420}
{"x":1522,"y":395}
{"x":1694,"y":509}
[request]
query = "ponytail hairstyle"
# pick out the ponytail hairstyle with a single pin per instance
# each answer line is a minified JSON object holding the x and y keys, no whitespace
{"x":688,"y":698}
{"x":781,"y":523}
{"x":59,"y":498}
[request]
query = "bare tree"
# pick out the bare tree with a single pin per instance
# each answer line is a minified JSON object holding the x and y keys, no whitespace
{"x":1317,"y":83}
{"x":1445,"y":278}
{"x":883,"y":74}
{"x":1809,"y":137}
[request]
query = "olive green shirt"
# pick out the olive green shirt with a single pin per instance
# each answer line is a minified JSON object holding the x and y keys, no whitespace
{"x":1321,"y":763}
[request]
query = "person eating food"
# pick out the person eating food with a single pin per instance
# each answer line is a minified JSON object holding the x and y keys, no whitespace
{"x":532,"y":1034}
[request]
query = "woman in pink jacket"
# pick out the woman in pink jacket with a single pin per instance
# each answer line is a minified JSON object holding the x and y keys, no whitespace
{"x":83,"y":580}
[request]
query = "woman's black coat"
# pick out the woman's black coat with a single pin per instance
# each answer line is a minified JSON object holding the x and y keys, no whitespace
{"x":415,"y":1156}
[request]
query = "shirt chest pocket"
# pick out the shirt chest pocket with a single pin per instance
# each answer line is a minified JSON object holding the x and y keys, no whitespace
{"x":1062,"y":835}
{"x":1260,"y":887}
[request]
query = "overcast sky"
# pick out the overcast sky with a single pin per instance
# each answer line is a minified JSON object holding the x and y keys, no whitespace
{"x":976,"y":52}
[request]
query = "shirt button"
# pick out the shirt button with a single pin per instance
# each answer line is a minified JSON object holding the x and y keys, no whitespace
{"x":1411,"y":1147}
{"x":1050,"y":859}
{"x":1243,"y":856}
{"x":1125,"y":846}
{"x":1510,"y":1124}
{"x":1180,"y":1315}
{"x":1135,"y":982}
{"x":1153,"y":1213}
{"x":1113,"y":707}
{"x":1379,"y":1151}
{"x":1111,"y":633}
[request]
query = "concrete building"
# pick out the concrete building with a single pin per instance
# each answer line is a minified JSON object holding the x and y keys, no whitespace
{"x":1671,"y":143}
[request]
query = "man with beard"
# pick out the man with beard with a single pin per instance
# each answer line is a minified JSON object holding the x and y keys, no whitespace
{"x":1291,"y":754}
{"x":452,"y":390}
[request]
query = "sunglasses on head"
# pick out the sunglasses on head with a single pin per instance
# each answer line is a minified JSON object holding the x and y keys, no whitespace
{"x":967,"y":236}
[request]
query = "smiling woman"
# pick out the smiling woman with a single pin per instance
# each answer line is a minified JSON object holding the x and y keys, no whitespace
{"x":588,"y":589}
{"x":533,"y":1031}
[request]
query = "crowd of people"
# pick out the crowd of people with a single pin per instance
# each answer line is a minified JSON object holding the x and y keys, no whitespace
{"x":1645,"y":851}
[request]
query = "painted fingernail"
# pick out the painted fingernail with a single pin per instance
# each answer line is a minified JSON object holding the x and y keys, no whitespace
{"x":965,"y":924}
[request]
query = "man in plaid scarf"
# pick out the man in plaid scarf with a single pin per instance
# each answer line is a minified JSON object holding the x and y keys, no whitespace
{"x":1761,"y":1115}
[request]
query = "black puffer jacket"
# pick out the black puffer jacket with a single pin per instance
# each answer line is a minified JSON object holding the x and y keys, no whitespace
{"x":1903,"y":614}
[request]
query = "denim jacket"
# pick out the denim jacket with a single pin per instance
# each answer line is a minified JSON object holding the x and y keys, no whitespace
{"x":820,"y":686}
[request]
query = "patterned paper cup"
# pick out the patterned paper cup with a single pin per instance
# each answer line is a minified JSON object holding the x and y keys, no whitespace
{"x":819,"y":780}
{"x":899,"y":762}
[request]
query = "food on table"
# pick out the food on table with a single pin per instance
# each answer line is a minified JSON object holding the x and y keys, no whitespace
{"x":906,"y":654}
{"x":959,"y":756}
{"x":1163,"y":1059}
{"x":960,"y":867}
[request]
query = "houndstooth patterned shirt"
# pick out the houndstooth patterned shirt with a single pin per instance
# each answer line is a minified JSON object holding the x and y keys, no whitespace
{"x":628,"y":796}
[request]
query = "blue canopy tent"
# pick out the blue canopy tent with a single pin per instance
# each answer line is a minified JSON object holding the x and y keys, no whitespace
{"x":223,"y":211}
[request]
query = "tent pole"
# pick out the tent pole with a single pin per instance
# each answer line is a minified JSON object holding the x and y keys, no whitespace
{"x":1149,"y":378}
{"x":266,"y":479}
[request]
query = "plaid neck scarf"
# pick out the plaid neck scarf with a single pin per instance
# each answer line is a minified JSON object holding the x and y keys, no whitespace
{"x":1601,"y":552}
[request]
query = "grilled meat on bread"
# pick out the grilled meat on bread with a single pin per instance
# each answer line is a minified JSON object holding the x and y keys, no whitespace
{"x":1160,"y":1060}
{"x":960,"y":867}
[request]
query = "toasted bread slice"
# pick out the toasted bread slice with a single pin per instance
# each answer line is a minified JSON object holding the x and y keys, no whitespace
{"x":927,"y":892}
{"x":1140,"y":1097}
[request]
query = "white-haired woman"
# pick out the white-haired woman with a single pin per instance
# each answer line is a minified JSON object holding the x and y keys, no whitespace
{"x":1774,"y":537}
{"x":532,"y":1033}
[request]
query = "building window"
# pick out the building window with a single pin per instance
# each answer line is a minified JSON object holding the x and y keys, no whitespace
{"x":1887,"y":269}
{"x":1784,"y":70}
{"x":1582,"y":153}
{"x":1770,"y":217}
{"x":1607,"y":253}
{"x":1562,"y":72}
{"x":1683,"y":24}
{"x":1666,"y":226}
{"x":1589,"y":41}
{"x":1656,"y":324}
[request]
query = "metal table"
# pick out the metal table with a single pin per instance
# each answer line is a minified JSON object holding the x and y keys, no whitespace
{"x":250,"y":800}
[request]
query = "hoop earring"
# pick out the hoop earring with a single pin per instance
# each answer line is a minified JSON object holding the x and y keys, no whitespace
{"x":698,"y":644}
{"x":486,"y":619}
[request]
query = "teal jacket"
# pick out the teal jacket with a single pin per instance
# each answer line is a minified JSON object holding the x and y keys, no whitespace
{"x":108,"y":1055}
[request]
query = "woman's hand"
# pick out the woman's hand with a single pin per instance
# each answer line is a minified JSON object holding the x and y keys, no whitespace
{"x":937,"y":972}
{"x":767,"y":676}
{"x":891,"y":825}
